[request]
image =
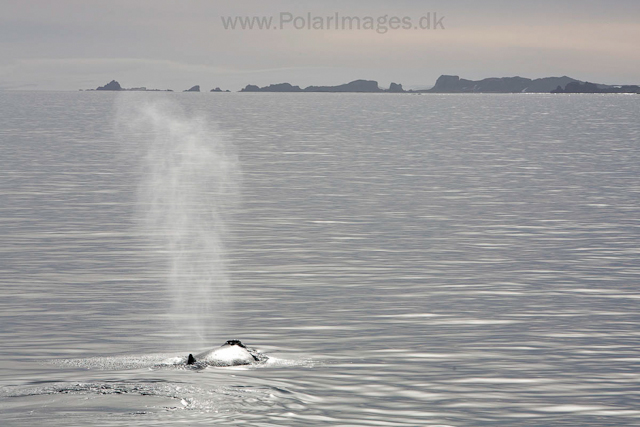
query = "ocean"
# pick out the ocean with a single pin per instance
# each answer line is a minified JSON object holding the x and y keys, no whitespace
{"x":403,"y":260}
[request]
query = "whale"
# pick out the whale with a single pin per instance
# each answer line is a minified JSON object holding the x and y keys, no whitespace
{"x":231,"y":353}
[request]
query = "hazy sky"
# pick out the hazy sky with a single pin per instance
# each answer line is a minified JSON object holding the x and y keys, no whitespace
{"x":72,"y":44}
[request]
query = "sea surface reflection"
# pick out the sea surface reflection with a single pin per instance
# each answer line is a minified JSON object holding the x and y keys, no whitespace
{"x":407,"y":260}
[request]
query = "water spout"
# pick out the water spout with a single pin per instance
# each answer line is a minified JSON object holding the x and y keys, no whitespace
{"x":189,"y":181}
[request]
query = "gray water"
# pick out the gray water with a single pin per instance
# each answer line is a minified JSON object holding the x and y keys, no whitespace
{"x":404,"y":260}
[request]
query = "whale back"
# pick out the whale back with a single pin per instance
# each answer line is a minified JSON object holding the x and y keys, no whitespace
{"x":231,"y":353}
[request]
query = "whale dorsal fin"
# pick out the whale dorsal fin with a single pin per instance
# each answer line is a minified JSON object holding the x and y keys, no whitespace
{"x":191,"y":360}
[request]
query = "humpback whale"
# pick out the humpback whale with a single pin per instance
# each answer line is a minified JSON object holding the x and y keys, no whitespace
{"x":231,"y":353}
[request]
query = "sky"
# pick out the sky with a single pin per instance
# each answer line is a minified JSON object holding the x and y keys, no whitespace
{"x":175,"y":44}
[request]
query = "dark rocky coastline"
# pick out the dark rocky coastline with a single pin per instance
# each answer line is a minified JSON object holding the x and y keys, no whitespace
{"x":586,"y":87}
{"x":444,"y":84}
{"x":454,"y":84}
{"x":112,"y":85}
{"x":115,"y":86}
{"x":356,"y":86}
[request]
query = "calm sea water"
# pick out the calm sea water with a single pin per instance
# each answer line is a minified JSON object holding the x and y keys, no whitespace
{"x":405,"y":260}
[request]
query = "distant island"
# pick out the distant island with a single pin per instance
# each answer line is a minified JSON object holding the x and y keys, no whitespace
{"x":114,"y":85}
{"x":586,"y":87}
{"x":454,"y":84}
{"x":444,"y":84}
{"x":366,"y":86}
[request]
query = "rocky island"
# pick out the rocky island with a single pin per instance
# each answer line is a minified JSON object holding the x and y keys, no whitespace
{"x":369,"y":86}
{"x":357,"y":86}
{"x":114,"y":86}
{"x":444,"y":84}
{"x":279,"y":87}
{"x":586,"y":87}
{"x":454,"y":84}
